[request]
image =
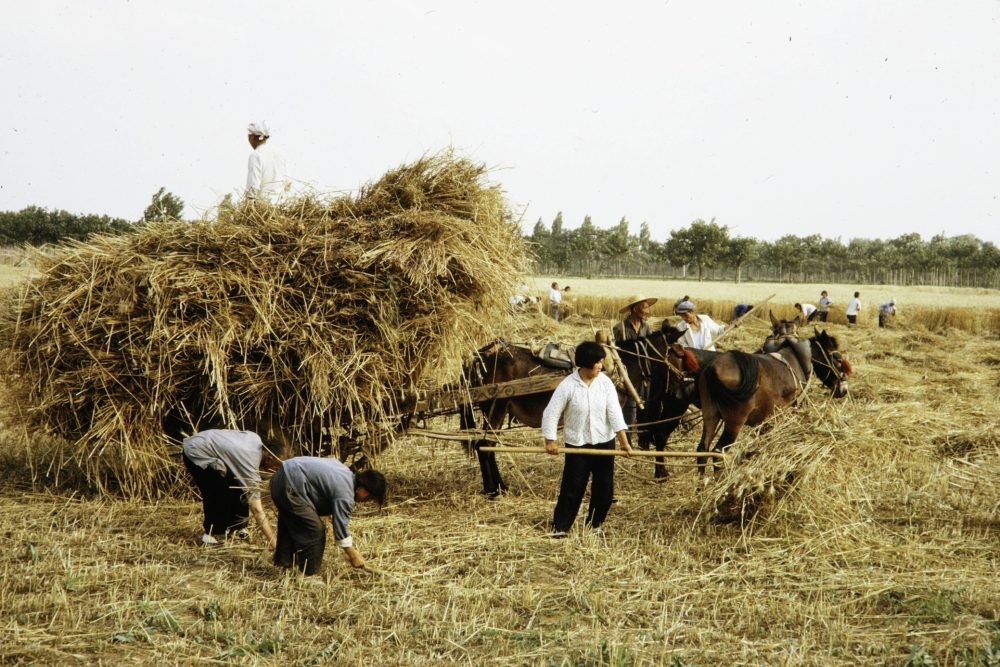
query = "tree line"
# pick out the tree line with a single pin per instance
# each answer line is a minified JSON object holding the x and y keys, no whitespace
{"x":702,"y":250}
{"x":38,"y":226}
{"x":706,"y":250}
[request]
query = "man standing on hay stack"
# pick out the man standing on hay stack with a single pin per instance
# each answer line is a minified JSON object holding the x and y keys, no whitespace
{"x":226,"y":466}
{"x":266,"y":169}
{"x":306,"y":488}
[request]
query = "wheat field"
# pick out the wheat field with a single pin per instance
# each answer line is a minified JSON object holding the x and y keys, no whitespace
{"x":878,"y":545}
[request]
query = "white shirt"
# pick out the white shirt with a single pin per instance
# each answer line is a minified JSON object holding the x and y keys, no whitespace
{"x":591,"y":413}
{"x":824,"y":304}
{"x":701,"y":339}
{"x":808,"y":309}
{"x":853,"y":306}
{"x":555,"y":296}
{"x":266,"y":173}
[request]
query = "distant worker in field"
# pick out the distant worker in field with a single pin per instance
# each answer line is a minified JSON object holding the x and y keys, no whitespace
{"x":568,"y":303}
{"x":698,"y":330}
{"x":225,"y":466}
{"x":853,"y":308}
{"x":823,"y":309}
{"x":741,"y":309}
{"x":807,"y":310}
{"x":266,"y":177}
{"x":306,"y":488}
{"x":555,"y":299}
{"x":887,"y":313}
{"x":634,"y":327}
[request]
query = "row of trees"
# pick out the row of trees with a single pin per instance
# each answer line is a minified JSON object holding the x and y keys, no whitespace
{"x":706,"y":250}
{"x":702,"y":250}
{"x":37,"y":226}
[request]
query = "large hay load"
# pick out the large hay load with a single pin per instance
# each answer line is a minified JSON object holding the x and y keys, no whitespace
{"x":315,"y":314}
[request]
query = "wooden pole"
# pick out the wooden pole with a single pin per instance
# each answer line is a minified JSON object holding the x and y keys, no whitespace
{"x":613,"y":353}
{"x":605,"y":452}
{"x":732,"y":325}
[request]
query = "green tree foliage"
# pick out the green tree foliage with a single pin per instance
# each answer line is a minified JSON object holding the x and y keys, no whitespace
{"x":164,"y":206}
{"x":584,"y":242}
{"x":703,"y":245}
{"x":37,"y":226}
{"x":738,"y":253}
{"x":617,"y":244}
{"x":706,"y":246}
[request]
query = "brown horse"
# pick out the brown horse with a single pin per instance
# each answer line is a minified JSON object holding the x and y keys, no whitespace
{"x":503,"y":362}
{"x":740,"y":389}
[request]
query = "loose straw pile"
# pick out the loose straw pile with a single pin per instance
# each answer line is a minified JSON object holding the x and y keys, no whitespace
{"x":310,"y":311}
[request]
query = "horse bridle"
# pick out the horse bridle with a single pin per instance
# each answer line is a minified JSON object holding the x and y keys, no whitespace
{"x":834,"y":360}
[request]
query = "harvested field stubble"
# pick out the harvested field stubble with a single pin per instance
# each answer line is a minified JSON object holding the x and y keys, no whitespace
{"x":318,"y":313}
{"x":879,"y":544}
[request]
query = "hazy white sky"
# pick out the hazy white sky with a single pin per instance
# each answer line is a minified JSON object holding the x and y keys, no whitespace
{"x":847,"y":118}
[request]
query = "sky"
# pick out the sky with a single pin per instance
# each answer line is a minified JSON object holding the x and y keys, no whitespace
{"x":847,"y":119}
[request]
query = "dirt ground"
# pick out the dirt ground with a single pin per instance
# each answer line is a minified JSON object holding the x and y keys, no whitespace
{"x":880,"y":547}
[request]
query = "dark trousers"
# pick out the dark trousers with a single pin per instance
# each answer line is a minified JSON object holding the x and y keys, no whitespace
{"x":301,"y":533}
{"x":852,"y":319}
{"x":224,"y":502}
{"x":576,"y":471}
{"x":822,"y":315}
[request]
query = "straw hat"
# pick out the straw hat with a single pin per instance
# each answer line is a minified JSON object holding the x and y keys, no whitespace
{"x":634,"y":299}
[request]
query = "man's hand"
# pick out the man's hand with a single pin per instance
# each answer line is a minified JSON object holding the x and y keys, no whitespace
{"x":623,"y":443}
{"x":550,"y":447}
{"x":356,"y":560}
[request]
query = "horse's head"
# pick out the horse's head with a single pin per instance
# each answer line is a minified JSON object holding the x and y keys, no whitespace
{"x":784,"y":328}
{"x":829,"y":363}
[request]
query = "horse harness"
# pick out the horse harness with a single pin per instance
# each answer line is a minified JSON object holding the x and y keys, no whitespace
{"x":773,"y":347}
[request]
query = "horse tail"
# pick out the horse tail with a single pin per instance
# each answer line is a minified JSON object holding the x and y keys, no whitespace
{"x":749,"y":371}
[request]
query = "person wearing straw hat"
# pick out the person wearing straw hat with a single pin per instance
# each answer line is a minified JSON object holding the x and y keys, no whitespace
{"x":698,"y":330}
{"x":587,"y":403}
{"x":265,"y":169}
{"x":225,"y":465}
{"x":306,"y":488}
{"x":634,"y":327}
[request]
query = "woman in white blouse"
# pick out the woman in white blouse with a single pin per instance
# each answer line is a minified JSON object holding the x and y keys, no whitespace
{"x":587,"y":402}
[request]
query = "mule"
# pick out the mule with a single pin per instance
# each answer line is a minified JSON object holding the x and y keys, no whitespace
{"x":502,"y":362}
{"x":649,"y":364}
{"x":740,"y":389}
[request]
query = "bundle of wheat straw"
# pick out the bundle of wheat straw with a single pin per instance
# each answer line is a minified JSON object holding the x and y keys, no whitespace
{"x":310,"y":311}
{"x":784,"y":468}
